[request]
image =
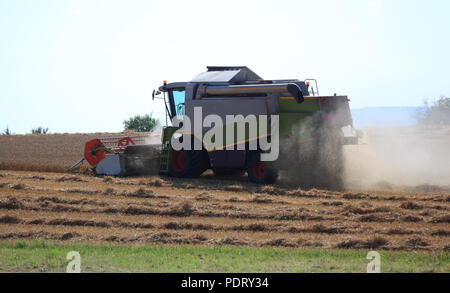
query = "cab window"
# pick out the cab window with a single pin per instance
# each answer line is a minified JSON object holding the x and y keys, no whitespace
{"x":177,"y":98}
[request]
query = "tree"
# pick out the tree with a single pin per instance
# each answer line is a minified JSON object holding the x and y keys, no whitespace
{"x":39,"y":130}
{"x":7,"y":131}
{"x":438,"y":113}
{"x":140,"y":123}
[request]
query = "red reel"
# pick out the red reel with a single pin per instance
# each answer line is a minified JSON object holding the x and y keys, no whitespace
{"x":94,"y":158}
{"x":124,"y":142}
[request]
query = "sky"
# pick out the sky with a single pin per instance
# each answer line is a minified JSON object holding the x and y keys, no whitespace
{"x":87,"y":65}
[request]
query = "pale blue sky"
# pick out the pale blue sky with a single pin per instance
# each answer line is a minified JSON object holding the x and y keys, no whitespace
{"x":86,"y":65}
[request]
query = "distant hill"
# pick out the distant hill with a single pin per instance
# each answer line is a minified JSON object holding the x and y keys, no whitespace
{"x":384,"y":116}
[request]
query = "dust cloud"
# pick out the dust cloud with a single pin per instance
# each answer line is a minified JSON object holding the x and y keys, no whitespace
{"x":154,"y":138}
{"x":398,"y":157}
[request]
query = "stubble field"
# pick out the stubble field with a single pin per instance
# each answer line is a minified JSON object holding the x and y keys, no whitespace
{"x":205,"y":212}
{"x":209,"y":211}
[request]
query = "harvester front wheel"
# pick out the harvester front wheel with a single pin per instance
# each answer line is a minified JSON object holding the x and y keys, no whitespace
{"x":261,"y":172}
{"x":187,"y":164}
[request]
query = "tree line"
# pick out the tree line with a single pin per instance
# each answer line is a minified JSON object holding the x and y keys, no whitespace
{"x":435,"y":113}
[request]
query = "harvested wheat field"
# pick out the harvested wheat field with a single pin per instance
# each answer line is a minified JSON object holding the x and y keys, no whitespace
{"x":51,"y":152}
{"x":210,"y":211}
{"x":221,"y":220}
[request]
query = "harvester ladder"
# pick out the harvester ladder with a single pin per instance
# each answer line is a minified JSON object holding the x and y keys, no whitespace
{"x":166,"y":148}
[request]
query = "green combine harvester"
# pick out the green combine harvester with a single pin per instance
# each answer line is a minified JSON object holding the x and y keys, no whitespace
{"x":233,"y":121}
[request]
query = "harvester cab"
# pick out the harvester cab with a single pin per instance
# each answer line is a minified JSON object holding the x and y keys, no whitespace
{"x":176,"y":99}
{"x":231,"y":120}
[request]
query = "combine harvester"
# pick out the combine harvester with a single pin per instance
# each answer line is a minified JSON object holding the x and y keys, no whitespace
{"x":311,"y":131}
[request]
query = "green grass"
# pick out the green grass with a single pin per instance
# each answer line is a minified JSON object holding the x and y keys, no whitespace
{"x":43,"y":256}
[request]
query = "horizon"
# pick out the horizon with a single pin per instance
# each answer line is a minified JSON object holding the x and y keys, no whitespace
{"x":377,"y":120}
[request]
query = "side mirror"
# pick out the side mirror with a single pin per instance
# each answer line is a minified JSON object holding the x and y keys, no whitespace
{"x":155,"y":93}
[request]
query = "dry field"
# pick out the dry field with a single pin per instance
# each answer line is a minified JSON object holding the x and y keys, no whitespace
{"x":52,"y":152}
{"x":210,"y":211}
{"x":396,"y":156}
{"x":205,"y":211}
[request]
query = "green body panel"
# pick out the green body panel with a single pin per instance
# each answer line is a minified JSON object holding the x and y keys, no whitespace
{"x":299,"y":121}
{"x":298,"y":125}
{"x":291,"y":106}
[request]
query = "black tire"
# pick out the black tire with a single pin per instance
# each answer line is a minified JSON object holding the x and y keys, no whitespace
{"x":261,"y":172}
{"x":188,"y":164}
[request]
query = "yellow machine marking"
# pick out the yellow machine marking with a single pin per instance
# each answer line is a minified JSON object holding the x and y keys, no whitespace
{"x":236,"y":143}
{"x":292,"y":98}
{"x":248,"y":140}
